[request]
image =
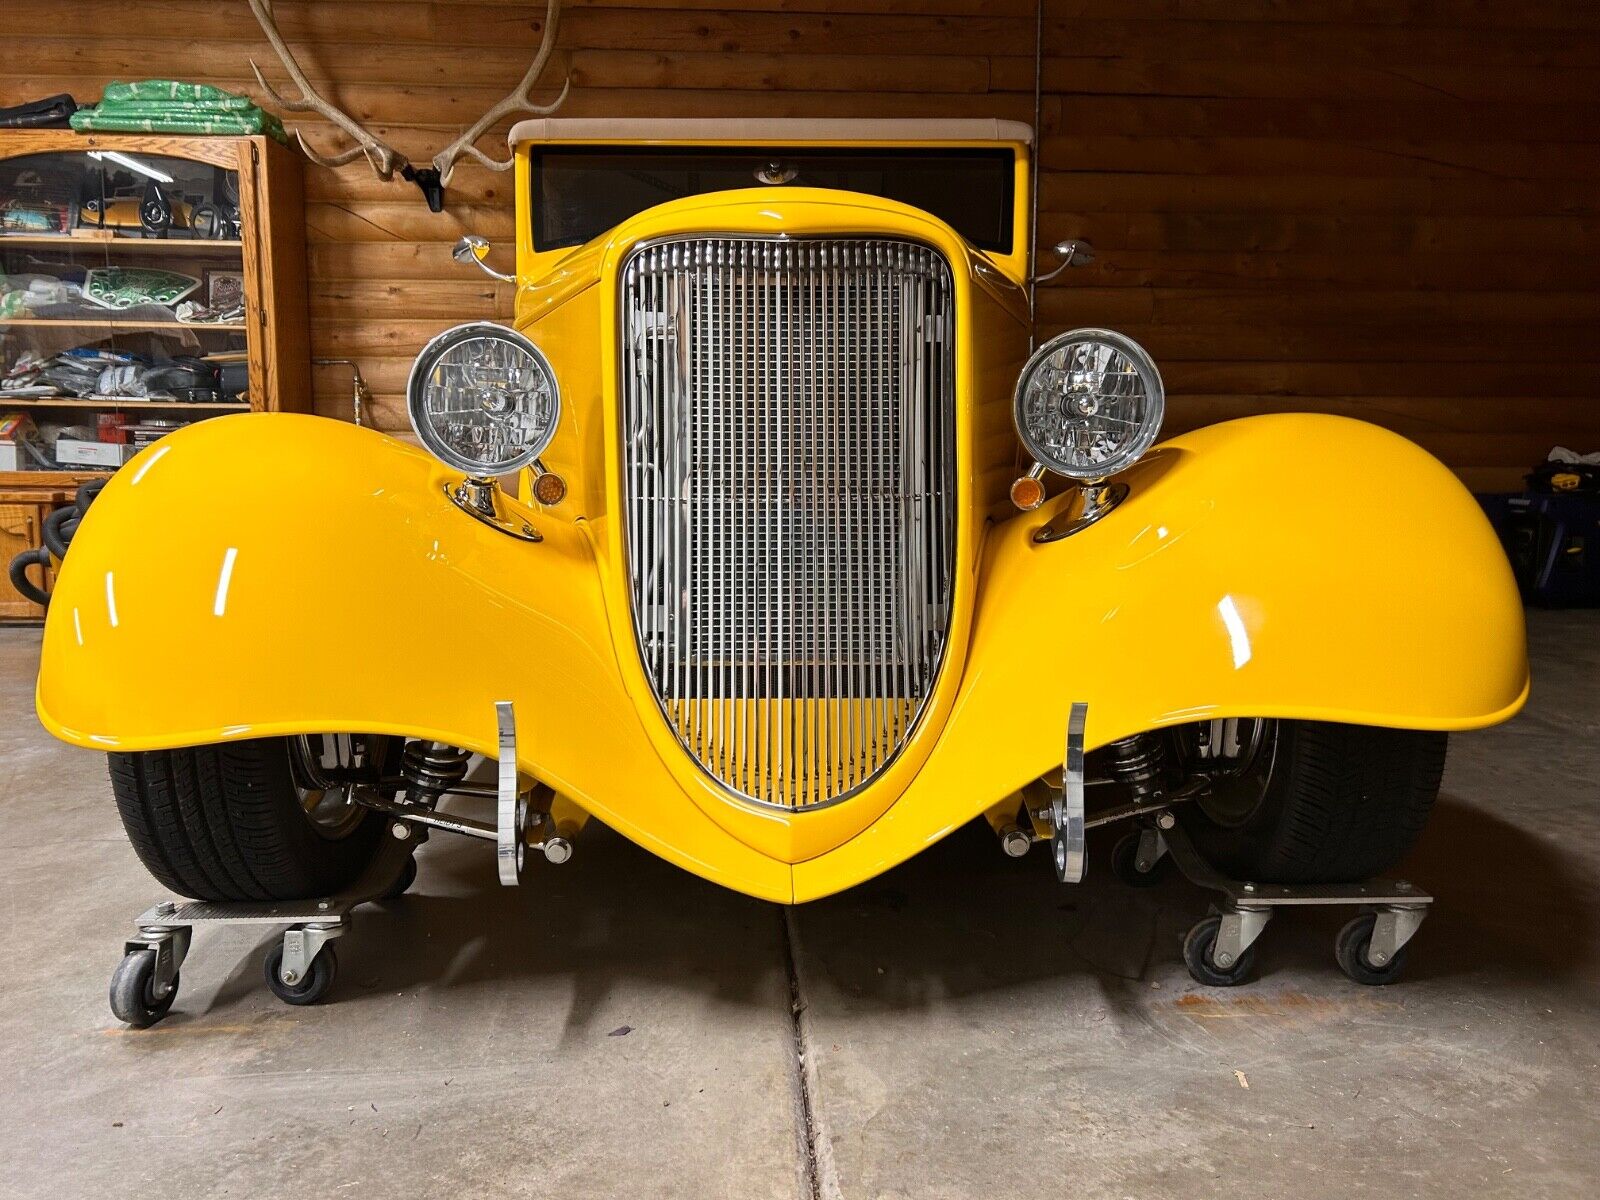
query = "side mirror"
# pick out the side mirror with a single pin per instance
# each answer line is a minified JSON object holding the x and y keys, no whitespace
{"x":474,"y":250}
{"x":1076,"y":252}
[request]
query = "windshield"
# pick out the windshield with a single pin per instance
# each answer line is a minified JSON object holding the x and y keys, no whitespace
{"x":582,"y":191}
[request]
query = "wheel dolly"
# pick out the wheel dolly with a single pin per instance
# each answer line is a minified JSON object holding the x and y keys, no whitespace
{"x":1219,"y":949}
{"x":301,"y":968}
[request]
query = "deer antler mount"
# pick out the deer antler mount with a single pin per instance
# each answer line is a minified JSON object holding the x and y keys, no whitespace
{"x":383,"y":158}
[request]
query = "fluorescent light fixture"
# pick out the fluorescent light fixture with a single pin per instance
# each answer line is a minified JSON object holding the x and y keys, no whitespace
{"x":133,"y":164}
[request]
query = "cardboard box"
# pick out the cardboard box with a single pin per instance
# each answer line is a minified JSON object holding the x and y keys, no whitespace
{"x":16,"y":428}
{"x":92,"y":454}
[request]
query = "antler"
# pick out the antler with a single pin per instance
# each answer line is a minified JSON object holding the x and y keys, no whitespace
{"x":384,"y":159}
{"x":445,"y":161}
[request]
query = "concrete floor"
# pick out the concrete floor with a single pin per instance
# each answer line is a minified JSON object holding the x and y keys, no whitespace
{"x":968,"y":1027}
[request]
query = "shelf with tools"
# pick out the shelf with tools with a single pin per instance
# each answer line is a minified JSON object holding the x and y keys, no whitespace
{"x":119,"y":323}
{"x":197,"y":246}
{"x":124,"y":403}
{"x":146,"y":282}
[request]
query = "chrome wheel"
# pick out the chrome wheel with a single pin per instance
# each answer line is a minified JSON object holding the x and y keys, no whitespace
{"x":325,"y":768}
{"x":1239,"y":755}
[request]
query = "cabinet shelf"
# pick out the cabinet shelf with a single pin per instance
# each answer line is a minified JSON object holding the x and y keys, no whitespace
{"x":122,"y":403}
{"x":187,"y":246}
{"x":114,"y":323}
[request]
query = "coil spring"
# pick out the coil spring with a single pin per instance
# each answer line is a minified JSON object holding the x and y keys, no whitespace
{"x":430,"y":768}
{"x":1139,"y":761}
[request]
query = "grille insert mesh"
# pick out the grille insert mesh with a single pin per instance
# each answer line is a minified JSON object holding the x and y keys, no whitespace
{"x":788,"y":456}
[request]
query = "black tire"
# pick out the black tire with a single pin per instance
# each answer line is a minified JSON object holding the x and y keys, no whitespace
{"x":226,"y":823}
{"x":317,"y":983}
{"x":1197,"y":950}
{"x":1324,"y":803}
{"x":133,"y":999}
{"x":1350,"y":950}
{"x":402,"y":883}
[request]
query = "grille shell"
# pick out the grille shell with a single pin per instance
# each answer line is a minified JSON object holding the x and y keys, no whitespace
{"x":789,"y":500}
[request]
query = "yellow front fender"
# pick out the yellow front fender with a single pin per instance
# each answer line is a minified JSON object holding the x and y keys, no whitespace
{"x":275,"y":574}
{"x":1295,"y":566}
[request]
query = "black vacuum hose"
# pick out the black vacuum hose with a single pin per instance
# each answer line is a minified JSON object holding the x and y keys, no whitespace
{"x":57,"y":533}
{"x":19,"y":574}
{"x":59,"y":527}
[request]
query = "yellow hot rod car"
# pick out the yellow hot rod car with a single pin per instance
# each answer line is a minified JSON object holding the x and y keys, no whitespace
{"x":807,"y":558}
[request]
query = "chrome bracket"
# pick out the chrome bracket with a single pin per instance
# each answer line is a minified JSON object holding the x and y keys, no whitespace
{"x":1152,"y":847}
{"x":302,"y":944}
{"x":1066,"y":814}
{"x":1392,"y":930}
{"x":478,"y":498}
{"x":512,"y":807}
{"x":1097,"y":500}
{"x":171,"y":944}
{"x":1240,"y":928}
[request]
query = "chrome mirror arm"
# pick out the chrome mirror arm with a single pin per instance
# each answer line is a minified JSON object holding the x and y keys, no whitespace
{"x":474,"y":250}
{"x":1076,"y":252}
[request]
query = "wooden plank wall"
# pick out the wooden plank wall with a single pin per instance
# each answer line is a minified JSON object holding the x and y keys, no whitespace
{"x":1385,"y":208}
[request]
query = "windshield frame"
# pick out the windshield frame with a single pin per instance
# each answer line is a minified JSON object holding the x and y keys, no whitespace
{"x":999,"y":157}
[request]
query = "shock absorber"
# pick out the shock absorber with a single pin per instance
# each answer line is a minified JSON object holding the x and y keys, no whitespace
{"x":1139,"y":762}
{"x":431,"y":769}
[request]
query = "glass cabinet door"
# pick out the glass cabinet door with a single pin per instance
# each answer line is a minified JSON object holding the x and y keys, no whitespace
{"x":122,"y":304}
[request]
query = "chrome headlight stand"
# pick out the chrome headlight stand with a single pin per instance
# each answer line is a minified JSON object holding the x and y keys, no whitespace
{"x":480,"y":498}
{"x":1095,"y":500}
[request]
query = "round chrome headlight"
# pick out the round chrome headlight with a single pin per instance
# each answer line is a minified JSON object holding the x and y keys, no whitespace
{"x":1089,"y":403}
{"x":483,"y":399}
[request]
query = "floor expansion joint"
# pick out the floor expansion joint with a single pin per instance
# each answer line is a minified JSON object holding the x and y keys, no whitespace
{"x":818,"y":1181}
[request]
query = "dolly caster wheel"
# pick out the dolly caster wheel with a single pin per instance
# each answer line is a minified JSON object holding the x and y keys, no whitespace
{"x":1352,"y":947}
{"x":1125,"y":863}
{"x":133,"y":998}
{"x":316,"y":984}
{"x":408,"y":876}
{"x":1198,"y":948}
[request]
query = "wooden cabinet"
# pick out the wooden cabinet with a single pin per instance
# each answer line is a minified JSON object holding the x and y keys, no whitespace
{"x":22,"y":515}
{"x":146,"y":282}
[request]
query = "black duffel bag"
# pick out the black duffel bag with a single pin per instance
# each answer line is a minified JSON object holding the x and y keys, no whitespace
{"x":50,"y":113}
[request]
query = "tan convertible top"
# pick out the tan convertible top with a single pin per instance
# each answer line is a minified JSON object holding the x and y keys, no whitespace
{"x":765,"y":130}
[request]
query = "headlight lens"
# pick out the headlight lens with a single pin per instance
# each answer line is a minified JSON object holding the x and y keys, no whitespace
{"x":1089,"y":403}
{"x":483,"y":399}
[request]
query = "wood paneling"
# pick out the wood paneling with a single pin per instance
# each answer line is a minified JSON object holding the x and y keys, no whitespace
{"x":1383,"y":208}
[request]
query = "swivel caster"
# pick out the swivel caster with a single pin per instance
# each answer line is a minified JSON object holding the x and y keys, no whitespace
{"x":1201,"y":956}
{"x":133,"y":990}
{"x":408,"y":876}
{"x":1353,"y":950}
{"x":307,"y":989}
{"x":1140,"y":860}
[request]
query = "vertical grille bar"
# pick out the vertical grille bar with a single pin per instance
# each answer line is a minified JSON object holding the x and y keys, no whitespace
{"x":788,"y":434}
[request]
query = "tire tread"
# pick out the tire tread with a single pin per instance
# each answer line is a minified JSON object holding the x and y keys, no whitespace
{"x":1346,"y":803}
{"x":223,"y":822}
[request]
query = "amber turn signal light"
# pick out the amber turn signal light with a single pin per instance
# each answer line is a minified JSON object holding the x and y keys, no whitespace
{"x":1027,"y":493}
{"x":549,"y":489}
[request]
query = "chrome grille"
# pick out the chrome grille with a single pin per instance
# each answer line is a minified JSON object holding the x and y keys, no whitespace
{"x":789,"y":485}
